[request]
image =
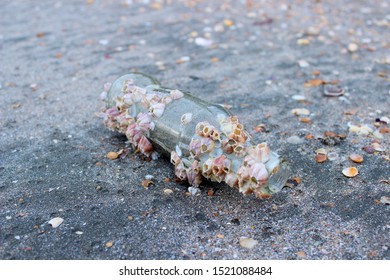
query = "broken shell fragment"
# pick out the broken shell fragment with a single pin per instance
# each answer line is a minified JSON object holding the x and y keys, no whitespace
{"x":321,"y":155}
{"x":300,"y":112}
{"x":202,"y":140}
{"x":248,"y":243}
{"x":350,"y":172}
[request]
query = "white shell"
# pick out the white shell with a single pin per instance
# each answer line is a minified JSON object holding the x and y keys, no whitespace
{"x":56,"y":222}
{"x":186,"y":118}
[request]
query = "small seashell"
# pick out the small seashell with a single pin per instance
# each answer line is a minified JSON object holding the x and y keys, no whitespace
{"x":56,"y":222}
{"x":298,"y":97}
{"x":300,"y":112}
{"x":356,"y":158}
{"x":248,"y":243}
{"x":149,"y":177}
{"x":112,"y":155}
{"x":168,"y":191}
{"x":193,"y":190}
{"x":385,"y":119}
{"x":361,"y":130}
{"x":385,"y":200}
{"x":186,"y":118}
{"x":333,"y":90}
{"x":350,"y":172}
{"x":321,"y":155}
{"x":377,"y":147}
{"x":369,"y":149}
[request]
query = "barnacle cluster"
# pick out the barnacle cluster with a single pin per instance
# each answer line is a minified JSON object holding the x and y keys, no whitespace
{"x":203,"y":140}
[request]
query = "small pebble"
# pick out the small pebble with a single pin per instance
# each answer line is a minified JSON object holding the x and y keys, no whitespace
{"x":103,"y":42}
{"x":294,"y":140}
{"x":248,"y":243}
{"x":352,"y":47}
{"x":303,"y":63}
{"x":183,"y":59}
{"x":385,"y":200}
{"x":332,"y":156}
{"x":149,"y":177}
{"x":228,"y":22}
{"x":203,"y":42}
{"x":298,"y":97}
{"x":303,"y":41}
{"x":193,"y":190}
{"x":300,"y":112}
{"x":109,"y":244}
{"x":79,"y":232}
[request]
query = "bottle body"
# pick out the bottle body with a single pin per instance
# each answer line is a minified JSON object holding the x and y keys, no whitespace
{"x":203,"y":140}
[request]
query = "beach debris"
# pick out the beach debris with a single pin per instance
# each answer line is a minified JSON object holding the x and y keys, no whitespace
{"x":214,"y":145}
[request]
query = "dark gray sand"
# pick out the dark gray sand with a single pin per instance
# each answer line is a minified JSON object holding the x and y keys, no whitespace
{"x":263,"y":59}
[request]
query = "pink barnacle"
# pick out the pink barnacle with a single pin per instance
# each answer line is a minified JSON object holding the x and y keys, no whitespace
{"x":180,"y":171}
{"x":195,"y":147}
{"x":144,"y":121}
{"x":258,"y":173}
{"x":175,"y":159}
{"x":145,"y":146}
{"x":260,"y":152}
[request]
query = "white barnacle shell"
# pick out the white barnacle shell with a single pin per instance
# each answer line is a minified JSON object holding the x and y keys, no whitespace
{"x":186,"y":118}
{"x":176,"y":94}
{"x":137,"y":94}
{"x":260,"y":152}
{"x":128,"y":99}
{"x":157,"y":109}
{"x":175,"y":158}
{"x":259,"y":172}
{"x":166,"y":99}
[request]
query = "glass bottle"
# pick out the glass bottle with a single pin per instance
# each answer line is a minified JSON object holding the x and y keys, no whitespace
{"x":202,"y":139}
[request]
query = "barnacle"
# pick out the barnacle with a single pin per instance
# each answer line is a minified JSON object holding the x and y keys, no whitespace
{"x":202,"y":140}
